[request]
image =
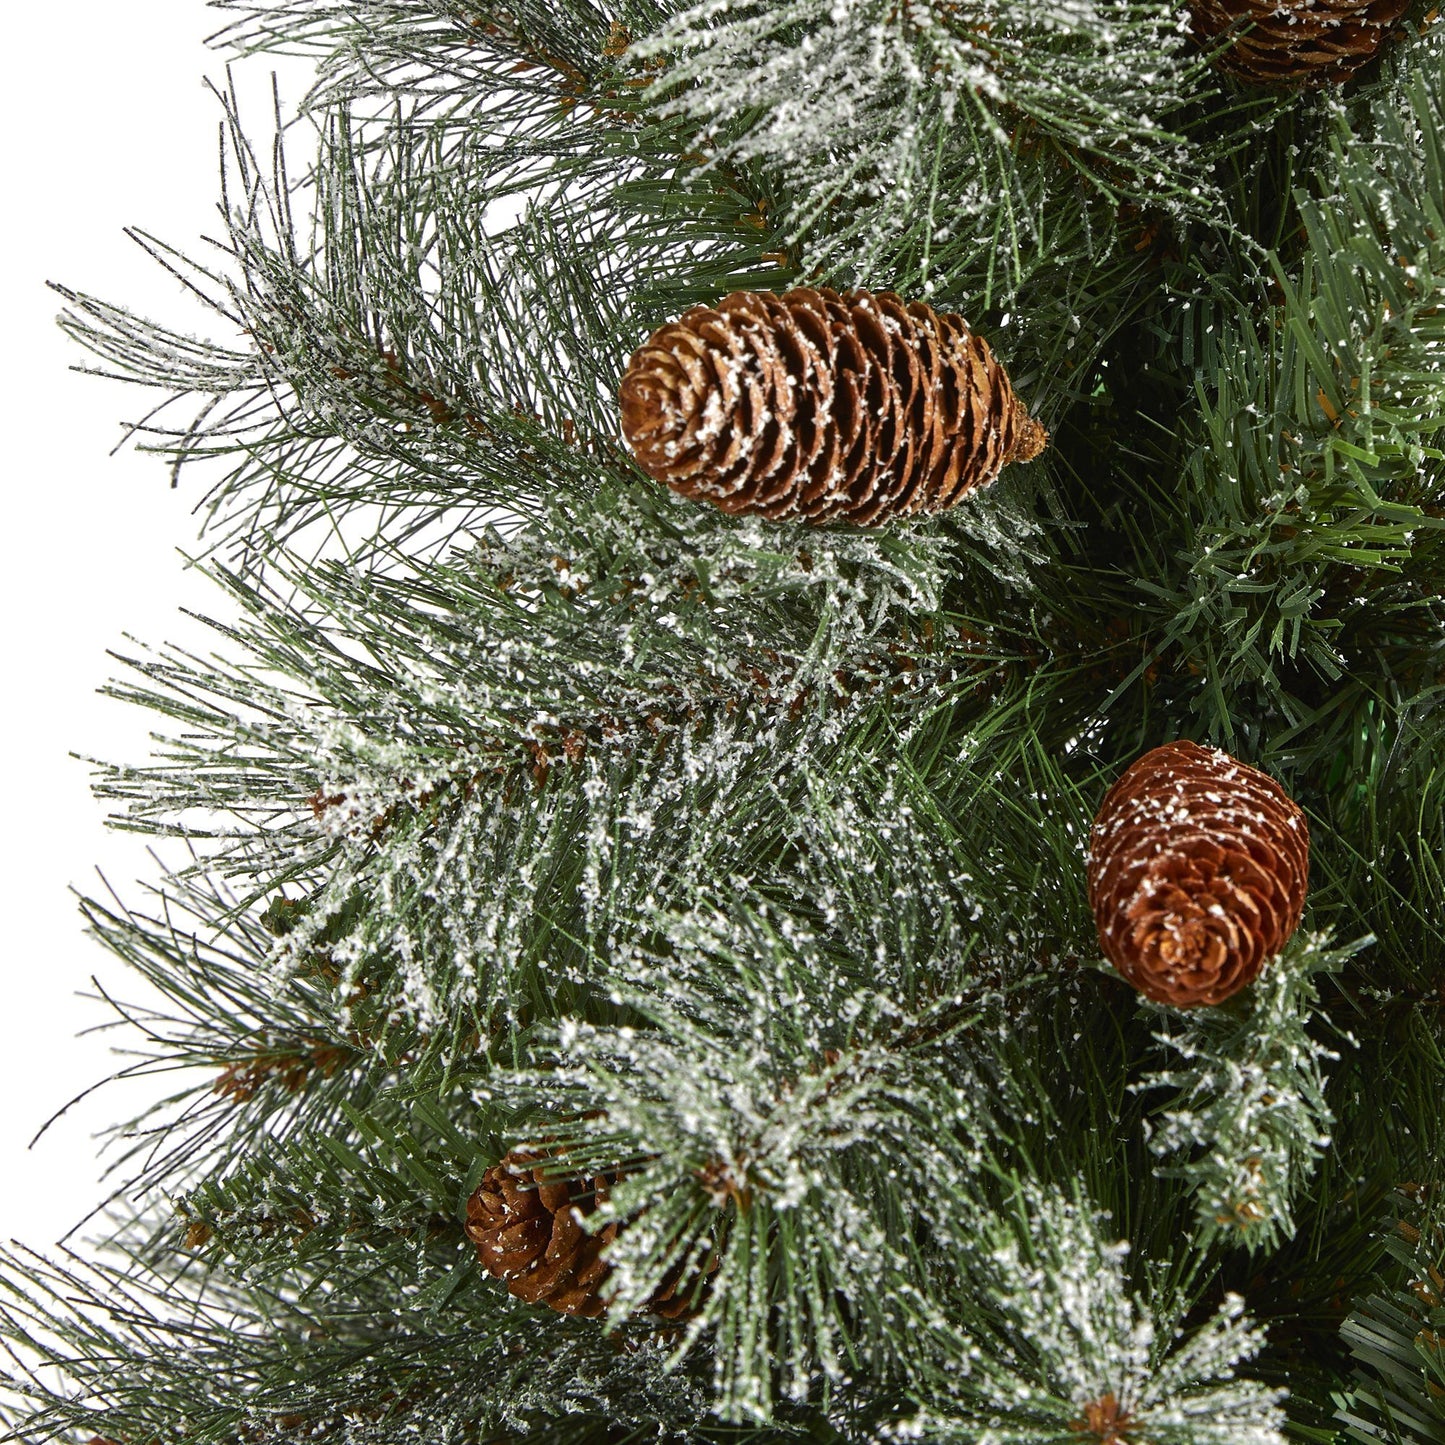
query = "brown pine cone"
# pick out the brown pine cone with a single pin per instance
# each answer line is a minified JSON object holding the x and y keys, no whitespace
{"x":1295,"y":42}
{"x":527,"y":1228}
{"x":1198,"y":867}
{"x":526,"y":1225}
{"x":823,"y":407}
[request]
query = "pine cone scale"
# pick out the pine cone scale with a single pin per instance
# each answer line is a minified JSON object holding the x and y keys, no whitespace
{"x":922,"y":422}
{"x":514,"y":1248}
{"x":894,"y":379}
{"x":805,"y":390}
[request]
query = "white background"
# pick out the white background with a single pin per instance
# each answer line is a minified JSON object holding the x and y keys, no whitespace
{"x":107,"y":124}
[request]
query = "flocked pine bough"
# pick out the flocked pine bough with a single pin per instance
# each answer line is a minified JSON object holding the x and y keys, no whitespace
{"x":648,"y":956}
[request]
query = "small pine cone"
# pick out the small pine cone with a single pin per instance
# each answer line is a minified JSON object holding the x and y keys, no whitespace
{"x":527,"y":1228}
{"x":823,"y":407}
{"x":1295,"y":42}
{"x":1198,"y":866}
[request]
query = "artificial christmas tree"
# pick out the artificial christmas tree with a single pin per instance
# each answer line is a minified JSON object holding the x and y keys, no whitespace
{"x":645,"y":969}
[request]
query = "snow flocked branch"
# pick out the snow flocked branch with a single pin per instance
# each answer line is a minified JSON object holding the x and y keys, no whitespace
{"x":923,"y":129}
{"x":1069,"y":1352}
{"x":1249,"y":1117}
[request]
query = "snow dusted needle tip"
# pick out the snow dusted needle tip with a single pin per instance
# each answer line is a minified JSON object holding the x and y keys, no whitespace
{"x":823,"y":407}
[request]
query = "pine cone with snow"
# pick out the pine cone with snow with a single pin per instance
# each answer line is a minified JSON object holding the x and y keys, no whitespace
{"x":527,"y":1226}
{"x":823,"y":407}
{"x":1198,"y":868}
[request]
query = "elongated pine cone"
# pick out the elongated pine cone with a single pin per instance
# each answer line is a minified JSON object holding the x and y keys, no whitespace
{"x":823,"y":407}
{"x":1198,"y":866}
{"x":1295,"y":42}
{"x":527,"y":1226}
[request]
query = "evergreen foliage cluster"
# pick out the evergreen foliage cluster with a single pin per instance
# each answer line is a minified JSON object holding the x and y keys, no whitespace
{"x":525,"y":803}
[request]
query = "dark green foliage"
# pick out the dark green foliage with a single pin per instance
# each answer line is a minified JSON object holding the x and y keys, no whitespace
{"x":1396,"y":1334}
